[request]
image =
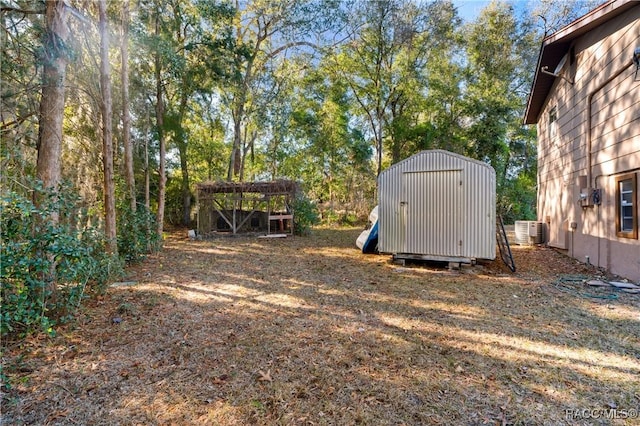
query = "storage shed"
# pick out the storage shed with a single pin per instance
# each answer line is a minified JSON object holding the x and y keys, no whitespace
{"x":437,"y":205}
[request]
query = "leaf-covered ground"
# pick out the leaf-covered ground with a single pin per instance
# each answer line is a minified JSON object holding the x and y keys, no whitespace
{"x":307,"y":330}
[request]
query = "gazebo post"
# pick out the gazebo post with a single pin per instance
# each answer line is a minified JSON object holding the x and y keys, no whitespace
{"x":268,"y":214}
{"x":234,"y":202}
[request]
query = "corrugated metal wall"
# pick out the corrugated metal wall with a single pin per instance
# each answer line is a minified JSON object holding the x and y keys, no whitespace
{"x":438,"y":203}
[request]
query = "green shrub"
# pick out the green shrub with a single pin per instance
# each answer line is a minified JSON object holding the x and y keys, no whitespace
{"x":136,"y":232}
{"x":305,"y":215}
{"x":350,"y":219}
{"x":330,"y":217}
{"x":47,"y":267}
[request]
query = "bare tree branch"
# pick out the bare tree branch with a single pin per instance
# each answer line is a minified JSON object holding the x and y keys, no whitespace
{"x":17,"y":121}
{"x":291,"y":45}
{"x":6,"y":9}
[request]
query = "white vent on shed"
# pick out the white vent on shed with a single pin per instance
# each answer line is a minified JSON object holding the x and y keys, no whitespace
{"x":529,"y":232}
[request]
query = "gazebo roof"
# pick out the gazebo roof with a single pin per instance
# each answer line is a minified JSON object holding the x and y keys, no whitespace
{"x":268,"y":188}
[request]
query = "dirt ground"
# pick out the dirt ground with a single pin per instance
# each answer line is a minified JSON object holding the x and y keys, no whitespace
{"x":309,"y":331}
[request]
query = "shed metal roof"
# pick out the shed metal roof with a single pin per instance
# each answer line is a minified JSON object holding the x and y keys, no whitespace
{"x":556,"y":45}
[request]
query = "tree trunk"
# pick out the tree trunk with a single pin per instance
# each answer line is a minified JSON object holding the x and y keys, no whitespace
{"x":126,"y":116}
{"x":246,"y":147}
{"x":107,"y":132}
{"x":395,"y":140}
{"x":239,"y":107}
{"x":147,"y":197}
{"x":379,"y":146}
{"x":48,"y":165}
{"x":160,"y":123}
{"x":236,"y":149}
{"x":186,"y":192}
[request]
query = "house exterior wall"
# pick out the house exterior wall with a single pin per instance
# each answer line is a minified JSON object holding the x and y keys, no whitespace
{"x":594,"y":140}
{"x":437,"y":203}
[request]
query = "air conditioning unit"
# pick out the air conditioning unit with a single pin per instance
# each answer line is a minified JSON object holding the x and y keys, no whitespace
{"x":529,"y":232}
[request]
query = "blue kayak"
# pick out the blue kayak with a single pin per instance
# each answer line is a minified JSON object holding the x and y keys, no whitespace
{"x":371,"y":243}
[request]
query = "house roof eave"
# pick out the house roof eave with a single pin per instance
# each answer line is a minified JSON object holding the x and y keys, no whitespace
{"x":556,"y":45}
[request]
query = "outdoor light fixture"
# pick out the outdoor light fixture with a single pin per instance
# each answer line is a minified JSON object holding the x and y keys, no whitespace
{"x":636,"y":60}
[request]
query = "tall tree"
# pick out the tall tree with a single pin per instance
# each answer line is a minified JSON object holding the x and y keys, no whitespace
{"x":492,"y":102}
{"x":162,"y":178}
{"x":182,"y":28}
{"x":336,"y":153}
{"x":19,"y":103}
{"x":126,"y":115}
{"x":264,"y":30}
{"x":382,"y":63}
{"x":207,"y":145}
{"x":442,"y":116}
{"x":56,"y":55}
{"x":107,"y":131}
{"x":147,"y":172}
{"x":193,"y":39}
{"x":201,"y":38}
{"x":499,"y":52}
{"x":414,"y":35}
{"x":365,"y":65}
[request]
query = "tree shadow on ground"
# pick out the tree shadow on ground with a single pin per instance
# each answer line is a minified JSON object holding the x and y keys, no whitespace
{"x":311,"y":331}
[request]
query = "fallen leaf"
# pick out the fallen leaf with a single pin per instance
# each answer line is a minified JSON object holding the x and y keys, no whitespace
{"x":265,"y":377}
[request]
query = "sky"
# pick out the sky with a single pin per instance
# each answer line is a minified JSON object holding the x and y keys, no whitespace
{"x":470,"y":9}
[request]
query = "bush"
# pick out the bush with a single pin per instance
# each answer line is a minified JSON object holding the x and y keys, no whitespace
{"x":305,"y":215}
{"x":137,"y":234}
{"x":47,"y":268}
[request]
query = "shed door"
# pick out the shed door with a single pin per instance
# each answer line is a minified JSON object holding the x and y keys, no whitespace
{"x":432,"y":207}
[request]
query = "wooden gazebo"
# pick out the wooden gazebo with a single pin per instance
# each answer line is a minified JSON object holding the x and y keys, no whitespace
{"x":246,"y":206}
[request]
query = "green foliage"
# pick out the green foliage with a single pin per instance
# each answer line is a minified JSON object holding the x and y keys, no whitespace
{"x":137,"y":234}
{"x":305,"y":214}
{"x":173,"y":208}
{"x":517,"y":199}
{"x":335,"y":160}
{"x":47,"y":265}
